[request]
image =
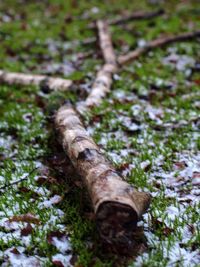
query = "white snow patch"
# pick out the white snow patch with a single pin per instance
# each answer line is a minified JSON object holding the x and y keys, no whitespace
{"x":181,"y":62}
{"x":62,"y":244}
{"x":172,"y":212}
{"x":142,"y":43}
{"x":94,"y":10}
{"x":48,"y":203}
{"x":155,"y":113}
{"x":145,"y":164}
{"x":64,"y":259}
{"x":20,"y":260}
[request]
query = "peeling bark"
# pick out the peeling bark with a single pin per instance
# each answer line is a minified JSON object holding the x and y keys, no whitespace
{"x":106,"y":43}
{"x":101,"y":86}
{"x":45,"y":82}
{"x":117,"y":205}
{"x":103,"y":81}
{"x":123,"y":59}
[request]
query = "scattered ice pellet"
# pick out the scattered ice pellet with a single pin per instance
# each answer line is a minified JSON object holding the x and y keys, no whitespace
{"x":62,"y":244}
{"x":142,"y":43}
{"x":181,"y":62}
{"x":64,"y":259}
{"x":48,"y":203}
{"x":145,"y":164}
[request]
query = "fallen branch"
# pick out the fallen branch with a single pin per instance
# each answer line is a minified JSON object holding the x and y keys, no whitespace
{"x":106,"y":43}
{"x":136,"y":16}
{"x":176,"y":124}
{"x":123,"y":59}
{"x":46,"y":82}
{"x":131,"y":17}
{"x":117,"y":205}
{"x":87,"y":41}
{"x":103,"y":81}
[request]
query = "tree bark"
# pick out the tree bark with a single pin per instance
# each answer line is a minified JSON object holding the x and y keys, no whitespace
{"x":103,"y":81}
{"x":45,"y":82}
{"x":117,"y":205}
{"x":160,"y":42}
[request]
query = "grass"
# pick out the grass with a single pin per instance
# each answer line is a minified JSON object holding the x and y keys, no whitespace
{"x":147,"y":93}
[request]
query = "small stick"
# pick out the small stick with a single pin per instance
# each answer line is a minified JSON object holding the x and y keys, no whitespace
{"x":18,"y":181}
{"x":131,"y":56}
{"x":46,"y":82}
{"x":177,"y":124}
{"x":136,"y":16}
{"x":117,"y":205}
{"x":131,"y":17}
{"x":103,"y":81}
{"x":87,"y":41}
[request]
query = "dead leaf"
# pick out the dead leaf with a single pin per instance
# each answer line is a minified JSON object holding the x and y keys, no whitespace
{"x":196,"y":175}
{"x":46,"y":180}
{"x":123,"y":166}
{"x":32,"y":194}
{"x":15,"y":251}
{"x":27,"y":230}
{"x":159,"y":225}
{"x":191,"y":228}
{"x":58,"y":263}
{"x":73,"y":260}
{"x":179,"y":165}
{"x":197,"y":81}
{"x":29,"y":218}
{"x":41,"y":180}
{"x":53,"y":234}
{"x":68,"y":18}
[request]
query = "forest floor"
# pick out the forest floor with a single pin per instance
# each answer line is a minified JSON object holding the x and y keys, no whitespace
{"x":148,"y":126}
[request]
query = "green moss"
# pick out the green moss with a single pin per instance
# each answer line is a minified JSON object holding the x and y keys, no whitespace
{"x":26,"y":115}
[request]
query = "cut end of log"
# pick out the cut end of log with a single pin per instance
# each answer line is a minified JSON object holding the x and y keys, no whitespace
{"x":117,"y":222}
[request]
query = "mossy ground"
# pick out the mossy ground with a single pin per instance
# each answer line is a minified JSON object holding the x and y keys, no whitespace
{"x":148,"y":126}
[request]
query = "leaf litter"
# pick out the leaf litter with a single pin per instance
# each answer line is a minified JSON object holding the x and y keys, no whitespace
{"x":177,"y":185}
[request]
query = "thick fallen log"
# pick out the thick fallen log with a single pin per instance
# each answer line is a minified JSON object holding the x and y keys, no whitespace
{"x":131,"y":17}
{"x":160,"y":42}
{"x":103,"y":81}
{"x":46,"y":82}
{"x":117,"y":205}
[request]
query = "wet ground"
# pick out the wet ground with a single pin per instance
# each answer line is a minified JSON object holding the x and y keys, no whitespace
{"x":148,"y":126}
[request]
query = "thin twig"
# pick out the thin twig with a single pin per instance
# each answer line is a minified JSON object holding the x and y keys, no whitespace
{"x":160,"y":42}
{"x":136,"y":16}
{"x":18,"y":181}
{"x":119,"y":20}
{"x":175,"y":124}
